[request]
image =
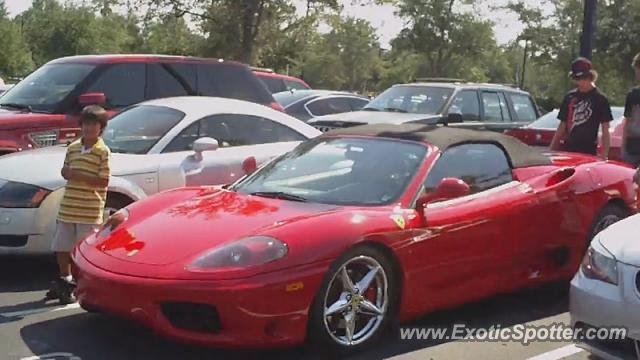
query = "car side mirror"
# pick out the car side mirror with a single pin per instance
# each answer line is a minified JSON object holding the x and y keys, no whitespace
{"x":449,"y":188}
{"x":204,"y":144}
{"x":92,"y":99}
{"x":249,"y":165}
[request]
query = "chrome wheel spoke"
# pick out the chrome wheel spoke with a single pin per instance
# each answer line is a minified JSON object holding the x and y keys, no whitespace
{"x":336,"y":307}
{"x":365,"y":282}
{"x":349,"y":326}
{"x":346,"y":280}
{"x":368,"y":308}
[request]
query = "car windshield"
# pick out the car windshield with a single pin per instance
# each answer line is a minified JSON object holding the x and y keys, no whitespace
{"x":412,"y":99}
{"x":550,"y":119}
{"x":138,"y":129}
{"x":341,"y":171}
{"x":46,"y":87}
{"x":287,"y":98}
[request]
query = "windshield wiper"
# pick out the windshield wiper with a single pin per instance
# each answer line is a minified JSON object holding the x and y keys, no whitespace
{"x":370,"y":109}
{"x":18,"y":106}
{"x":279,"y":195}
{"x":395,"y":110}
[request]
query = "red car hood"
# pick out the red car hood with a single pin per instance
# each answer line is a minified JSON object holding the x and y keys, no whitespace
{"x":10,"y":120}
{"x":189,"y":226}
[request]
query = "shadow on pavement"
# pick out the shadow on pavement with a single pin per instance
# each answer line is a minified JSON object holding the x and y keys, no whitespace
{"x":24,"y":309}
{"x":26,"y":273}
{"x":97,"y":337}
{"x":102,"y":337}
{"x":505,"y":310}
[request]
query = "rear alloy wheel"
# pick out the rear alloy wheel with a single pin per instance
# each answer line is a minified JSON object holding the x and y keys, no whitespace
{"x":354,"y":305}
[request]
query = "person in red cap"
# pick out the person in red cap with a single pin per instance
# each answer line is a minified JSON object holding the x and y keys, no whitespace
{"x":584,"y":110}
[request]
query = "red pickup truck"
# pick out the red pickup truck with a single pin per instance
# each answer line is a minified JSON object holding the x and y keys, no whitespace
{"x":42,"y":110}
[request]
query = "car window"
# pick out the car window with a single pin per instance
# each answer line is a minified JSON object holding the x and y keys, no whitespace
{"x":412,"y":99}
{"x":466,"y":103}
{"x":481,"y":166}
{"x":122,"y":84}
{"x":294,"y":85}
{"x":495,"y":107}
{"x":234,"y":130}
{"x":357,"y":103}
{"x":326,"y":106}
{"x":345,"y":171}
{"x":46,"y":87}
{"x":163,"y":84}
{"x":504,"y":107}
{"x":186,"y":72}
{"x":523,"y":106}
{"x":137,"y":129}
{"x":274,"y":85}
{"x":231,"y":81}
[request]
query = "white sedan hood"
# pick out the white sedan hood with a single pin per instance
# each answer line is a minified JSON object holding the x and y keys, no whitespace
{"x":42,"y":166}
{"x":621,"y":240}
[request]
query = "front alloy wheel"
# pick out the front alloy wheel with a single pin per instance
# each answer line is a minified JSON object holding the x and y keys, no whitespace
{"x":355,"y":302}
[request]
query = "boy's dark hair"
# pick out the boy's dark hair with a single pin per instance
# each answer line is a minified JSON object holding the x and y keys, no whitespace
{"x":636,"y":61}
{"x":94,"y":113}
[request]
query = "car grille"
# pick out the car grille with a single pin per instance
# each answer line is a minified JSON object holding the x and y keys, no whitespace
{"x":13,"y":240}
{"x":193,"y":317}
{"x":44,"y":138}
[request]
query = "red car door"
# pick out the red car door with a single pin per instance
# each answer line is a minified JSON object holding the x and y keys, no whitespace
{"x":462,"y":253}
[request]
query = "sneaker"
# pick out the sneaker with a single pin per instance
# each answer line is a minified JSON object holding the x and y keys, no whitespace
{"x":54,"y":290}
{"x":66,"y":292}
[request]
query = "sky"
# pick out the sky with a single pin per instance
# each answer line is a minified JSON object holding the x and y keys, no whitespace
{"x":507,"y":27}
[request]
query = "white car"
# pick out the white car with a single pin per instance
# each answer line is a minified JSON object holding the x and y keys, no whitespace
{"x":156,"y":146}
{"x":605,"y":293}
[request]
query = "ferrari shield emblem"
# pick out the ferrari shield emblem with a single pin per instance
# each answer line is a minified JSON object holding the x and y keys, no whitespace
{"x":399,"y":220}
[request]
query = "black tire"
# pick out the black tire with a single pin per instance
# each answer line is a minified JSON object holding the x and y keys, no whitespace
{"x":608,"y":215}
{"x":319,"y":334}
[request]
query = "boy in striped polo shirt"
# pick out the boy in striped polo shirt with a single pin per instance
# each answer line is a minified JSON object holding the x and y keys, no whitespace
{"x":86,"y":169}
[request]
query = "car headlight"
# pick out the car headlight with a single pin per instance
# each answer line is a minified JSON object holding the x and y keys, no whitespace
{"x":20,"y":195}
{"x":598,"y":264}
{"x":247,"y":252}
{"x":110,"y":225}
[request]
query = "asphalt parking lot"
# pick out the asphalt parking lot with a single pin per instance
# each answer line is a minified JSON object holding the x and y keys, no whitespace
{"x":30,"y":329}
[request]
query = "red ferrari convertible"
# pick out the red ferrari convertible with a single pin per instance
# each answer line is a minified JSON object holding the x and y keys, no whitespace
{"x":348,"y":233}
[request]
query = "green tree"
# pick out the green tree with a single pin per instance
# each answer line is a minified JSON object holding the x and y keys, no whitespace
{"x":170,"y":35}
{"x":15,"y":57}
{"x":233,"y":28}
{"x":447,"y":38}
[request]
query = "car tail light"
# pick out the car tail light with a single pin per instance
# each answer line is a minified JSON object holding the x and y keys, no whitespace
{"x":276,"y":106}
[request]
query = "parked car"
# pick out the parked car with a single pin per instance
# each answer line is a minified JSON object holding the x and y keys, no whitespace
{"x":605,"y":292}
{"x":349,"y":233}
{"x":541,"y":131}
{"x":307,"y":104}
{"x":42,"y":110}
{"x":479,"y":106}
{"x":278,"y":82}
{"x":157,"y":145}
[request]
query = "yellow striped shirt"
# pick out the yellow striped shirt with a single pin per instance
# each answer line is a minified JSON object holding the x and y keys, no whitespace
{"x":83,"y":203}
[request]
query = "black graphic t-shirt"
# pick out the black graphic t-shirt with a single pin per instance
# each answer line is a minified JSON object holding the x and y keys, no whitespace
{"x":583,"y":113}
{"x":632,"y":114}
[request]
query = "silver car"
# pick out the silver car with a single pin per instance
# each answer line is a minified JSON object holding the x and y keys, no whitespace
{"x":156,"y":145}
{"x":605,"y":293}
